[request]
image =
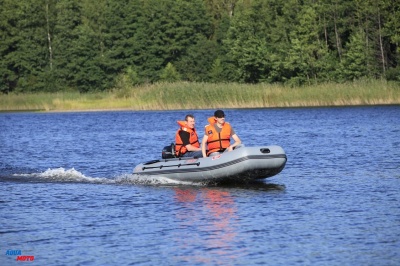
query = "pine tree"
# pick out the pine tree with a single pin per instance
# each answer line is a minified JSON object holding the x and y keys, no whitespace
{"x":65,"y":43}
{"x":354,"y":63}
{"x":9,"y":17}
{"x":169,"y":74}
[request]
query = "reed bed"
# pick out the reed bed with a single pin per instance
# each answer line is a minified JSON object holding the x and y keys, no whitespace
{"x":186,"y":95}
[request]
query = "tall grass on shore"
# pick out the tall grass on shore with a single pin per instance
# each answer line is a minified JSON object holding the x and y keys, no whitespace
{"x":186,"y":95}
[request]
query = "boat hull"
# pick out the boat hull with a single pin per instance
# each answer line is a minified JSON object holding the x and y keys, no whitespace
{"x":242,"y":164}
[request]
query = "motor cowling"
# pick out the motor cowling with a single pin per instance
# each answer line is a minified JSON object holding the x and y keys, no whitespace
{"x":168,"y":152}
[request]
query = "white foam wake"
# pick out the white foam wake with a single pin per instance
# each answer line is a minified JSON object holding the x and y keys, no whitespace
{"x":72,"y":175}
{"x":68,"y":175}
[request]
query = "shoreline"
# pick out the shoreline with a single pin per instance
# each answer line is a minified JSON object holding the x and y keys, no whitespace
{"x":155,"y":110}
{"x":197,"y":96}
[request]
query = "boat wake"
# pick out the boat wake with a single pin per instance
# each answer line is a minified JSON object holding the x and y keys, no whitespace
{"x":62,"y":175}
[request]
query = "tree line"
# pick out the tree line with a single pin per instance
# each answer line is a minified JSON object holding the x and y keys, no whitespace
{"x":96,"y":45}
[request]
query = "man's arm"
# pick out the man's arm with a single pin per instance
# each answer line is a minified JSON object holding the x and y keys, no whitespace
{"x":203,"y":145}
{"x":185,"y":137}
{"x":237,"y":142}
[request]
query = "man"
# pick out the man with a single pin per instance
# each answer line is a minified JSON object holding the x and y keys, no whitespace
{"x":218,"y":135}
{"x":186,"y":139}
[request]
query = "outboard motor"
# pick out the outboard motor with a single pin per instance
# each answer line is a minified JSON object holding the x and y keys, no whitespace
{"x":168,"y":152}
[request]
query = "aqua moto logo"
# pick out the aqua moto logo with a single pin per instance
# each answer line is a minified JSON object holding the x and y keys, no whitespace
{"x":18,"y":253}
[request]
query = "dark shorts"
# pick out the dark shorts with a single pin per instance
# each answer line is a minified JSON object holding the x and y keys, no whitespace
{"x":197,"y":154}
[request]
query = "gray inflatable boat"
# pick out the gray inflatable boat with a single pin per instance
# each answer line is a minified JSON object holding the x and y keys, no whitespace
{"x":242,"y":164}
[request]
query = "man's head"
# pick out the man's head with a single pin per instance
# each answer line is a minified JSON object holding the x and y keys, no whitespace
{"x":219,"y":116}
{"x":190,"y":121}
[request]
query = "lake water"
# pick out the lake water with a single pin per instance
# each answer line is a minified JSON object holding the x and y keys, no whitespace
{"x":68,"y":196}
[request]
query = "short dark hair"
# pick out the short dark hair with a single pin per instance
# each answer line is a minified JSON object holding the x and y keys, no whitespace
{"x":187,"y":117}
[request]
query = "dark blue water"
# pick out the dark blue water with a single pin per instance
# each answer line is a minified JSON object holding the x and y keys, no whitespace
{"x":67,"y":195}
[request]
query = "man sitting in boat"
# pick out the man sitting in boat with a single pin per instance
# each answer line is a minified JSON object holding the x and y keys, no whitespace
{"x":218,"y":135}
{"x":186,"y":139}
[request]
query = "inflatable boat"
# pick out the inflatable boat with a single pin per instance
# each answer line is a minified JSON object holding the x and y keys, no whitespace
{"x":241,"y":164}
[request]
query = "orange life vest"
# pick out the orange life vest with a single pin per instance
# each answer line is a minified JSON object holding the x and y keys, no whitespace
{"x":180,"y":149}
{"x":217,"y":141}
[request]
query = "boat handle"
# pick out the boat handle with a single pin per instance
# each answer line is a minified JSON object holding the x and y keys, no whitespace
{"x":265,"y":150}
{"x":175,"y":165}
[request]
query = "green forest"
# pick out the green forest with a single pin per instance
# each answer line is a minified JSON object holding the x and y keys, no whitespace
{"x":99,"y":45}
